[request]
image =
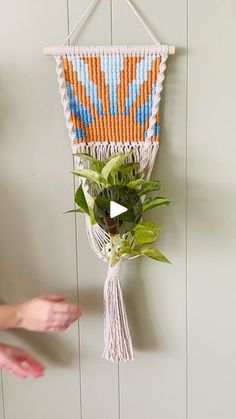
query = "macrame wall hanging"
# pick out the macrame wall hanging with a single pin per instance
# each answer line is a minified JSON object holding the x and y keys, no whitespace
{"x":111,"y":97}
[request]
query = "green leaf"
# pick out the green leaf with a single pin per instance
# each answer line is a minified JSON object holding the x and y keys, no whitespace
{"x":75,"y":210}
{"x":133,"y":184}
{"x":155,"y":202}
{"x":153,"y":253}
{"x":85,"y":156}
{"x":90,"y":175}
{"x":109,"y":166}
{"x":126,"y":226}
{"x":146,"y":232}
{"x":113,"y":164}
{"x":128,"y":167}
{"x":90,"y":203}
{"x":126,"y":155}
{"x":94,"y":164}
{"x":80,"y":199}
{"x":103,"y":203}
{"x":97,"y":166}
{"x":149,"y":186}
{"x":112,"y":156}
{"x":128,"y":250}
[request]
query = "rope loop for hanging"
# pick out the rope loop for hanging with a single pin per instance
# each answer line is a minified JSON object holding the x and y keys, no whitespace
{"x":89,"y":11}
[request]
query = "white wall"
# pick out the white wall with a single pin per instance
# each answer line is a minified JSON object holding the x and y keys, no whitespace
{"x":181,"y":316}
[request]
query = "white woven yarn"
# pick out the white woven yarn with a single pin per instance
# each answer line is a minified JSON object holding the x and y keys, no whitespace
{"x":118,"y":344}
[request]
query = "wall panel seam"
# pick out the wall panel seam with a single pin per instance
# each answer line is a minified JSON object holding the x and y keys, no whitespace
{"x":76,"y":255}
{"x":3,"y":400}
{"x":78,"y":299}
{"x":118,"y":364}
{"x":186,"y":213}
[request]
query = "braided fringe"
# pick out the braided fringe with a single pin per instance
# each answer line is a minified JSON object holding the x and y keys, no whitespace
{"x":118,"y":344}
{"x":64,"y":96}
{"x":155,"y":108}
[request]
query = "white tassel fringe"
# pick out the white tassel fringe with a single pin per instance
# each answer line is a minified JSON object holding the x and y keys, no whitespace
{"x":118,"y":344}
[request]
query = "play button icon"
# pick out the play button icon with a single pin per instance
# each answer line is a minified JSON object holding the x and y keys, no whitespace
{"x":116,"y":209}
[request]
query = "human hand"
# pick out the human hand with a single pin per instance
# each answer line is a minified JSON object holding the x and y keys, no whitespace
{"x":49,"y":313}
{"x":19,"y":362}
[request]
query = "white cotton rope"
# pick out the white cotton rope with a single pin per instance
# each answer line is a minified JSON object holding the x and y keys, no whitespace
{"x":86,"y":12}
{"x":89,"y":10}
{"x":64,"y":96}
{"x":118,"y":344}
{"x":142,"y":21}
{"x":145,"y":158}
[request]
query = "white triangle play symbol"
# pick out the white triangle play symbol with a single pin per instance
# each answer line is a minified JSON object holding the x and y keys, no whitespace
{"x":116,"y":209}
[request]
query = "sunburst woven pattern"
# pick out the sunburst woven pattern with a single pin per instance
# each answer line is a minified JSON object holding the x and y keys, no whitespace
{"x":110,"y":95}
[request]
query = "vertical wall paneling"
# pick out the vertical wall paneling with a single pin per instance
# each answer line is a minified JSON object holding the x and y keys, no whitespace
{"x":2,"y":410}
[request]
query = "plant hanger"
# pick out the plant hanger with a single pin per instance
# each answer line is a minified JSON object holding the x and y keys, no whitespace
{"x":111,"y":100}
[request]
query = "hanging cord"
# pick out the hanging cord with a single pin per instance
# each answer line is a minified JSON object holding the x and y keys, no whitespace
{"x":89,"y":10}
{"x":142,"y":21}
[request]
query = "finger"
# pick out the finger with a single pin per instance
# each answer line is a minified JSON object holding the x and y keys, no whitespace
{"x":60,"y":318}
{"x":32,"y":369}
{"x":33,"y":363}
{"x":54,"y":330}
{"x":29,"y":364}
{"x":67,"y":308}
{"x":61,"y":323}
{"x":18,"y":370}
{"x":65,"y":328}
{"x":57,"y":298}
{"x":58,"y":328}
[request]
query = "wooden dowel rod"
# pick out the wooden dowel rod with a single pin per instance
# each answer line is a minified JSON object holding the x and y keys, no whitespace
{"x":171,"y":49}
{"x":49,"y":50}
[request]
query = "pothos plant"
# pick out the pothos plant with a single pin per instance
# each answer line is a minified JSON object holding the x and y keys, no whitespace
{"x":119,"y":170}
